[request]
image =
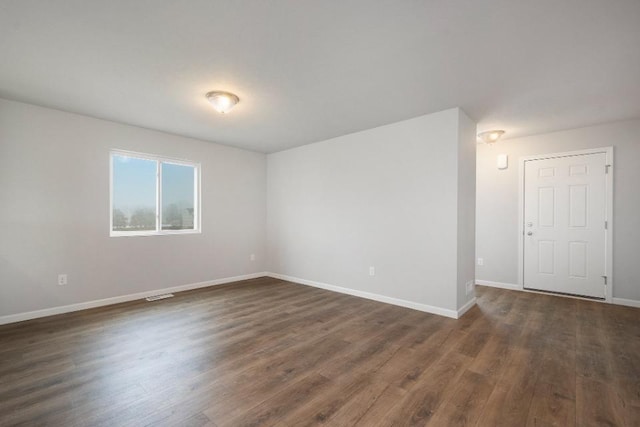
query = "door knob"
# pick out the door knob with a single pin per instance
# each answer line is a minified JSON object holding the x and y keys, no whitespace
{"x":530,"y":233}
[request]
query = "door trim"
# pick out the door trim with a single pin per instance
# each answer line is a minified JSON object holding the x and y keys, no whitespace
{"x":608,"y":151}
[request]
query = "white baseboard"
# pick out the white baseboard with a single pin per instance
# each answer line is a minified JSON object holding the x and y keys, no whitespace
{"x":12,"y":318}
{"x":510,"y":286}
{"x":627,"y":302}
{"x":462,"y":310}
{"x":376,"y":297}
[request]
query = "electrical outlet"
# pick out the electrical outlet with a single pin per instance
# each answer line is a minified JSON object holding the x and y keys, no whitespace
{"x":480,"y":261}
{"x":252,"y":257}
{"x":469,"y":287}
{"x":372,"y":271}
{"x":62,"y":279}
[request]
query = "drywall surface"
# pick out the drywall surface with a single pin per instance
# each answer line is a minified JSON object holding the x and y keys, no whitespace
{"x":466,"y":232}
{"x":385,"y":198}
{"x":54,"y":212}
{"x":497,"y":200}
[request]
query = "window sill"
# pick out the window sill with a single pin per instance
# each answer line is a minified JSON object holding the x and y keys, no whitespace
{"x":152,"y":233}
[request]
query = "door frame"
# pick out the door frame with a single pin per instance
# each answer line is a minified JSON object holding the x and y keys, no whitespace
{"x":608,"y":151}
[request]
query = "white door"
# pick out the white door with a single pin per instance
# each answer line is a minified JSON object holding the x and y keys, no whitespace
{"x":564,"y":224}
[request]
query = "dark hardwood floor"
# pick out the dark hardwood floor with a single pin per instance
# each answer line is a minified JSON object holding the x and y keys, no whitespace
{"x":268,"y":352}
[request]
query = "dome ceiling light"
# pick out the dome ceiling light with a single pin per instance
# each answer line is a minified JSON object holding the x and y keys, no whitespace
{"x":222,"y":102}
{"x":490,"y":136}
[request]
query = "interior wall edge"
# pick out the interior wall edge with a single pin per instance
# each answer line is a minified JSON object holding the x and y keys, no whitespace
{"x":466,"y":307}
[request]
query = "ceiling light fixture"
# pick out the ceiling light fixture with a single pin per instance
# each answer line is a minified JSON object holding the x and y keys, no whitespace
{"x":490,"y":136}
{"x":223,"y":102}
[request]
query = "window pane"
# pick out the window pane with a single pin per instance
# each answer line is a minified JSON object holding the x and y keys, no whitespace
{"x":178,"y":190}
{"x":134,"y":194}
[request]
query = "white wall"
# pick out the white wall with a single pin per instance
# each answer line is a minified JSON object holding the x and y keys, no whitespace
{"x":497,"y":200}
{"x":399,"y":197}
{"x":54,"y":212}
{"x":466,"y":206}
{"x":386,"y":197}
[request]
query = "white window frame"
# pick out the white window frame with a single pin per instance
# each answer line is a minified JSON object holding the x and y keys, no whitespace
{"x":159,"y":161}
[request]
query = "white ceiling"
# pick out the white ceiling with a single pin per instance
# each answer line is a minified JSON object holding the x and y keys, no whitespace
{"x":308,"y":70}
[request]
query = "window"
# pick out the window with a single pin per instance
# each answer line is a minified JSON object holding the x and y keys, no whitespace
{"x":153,"y":195}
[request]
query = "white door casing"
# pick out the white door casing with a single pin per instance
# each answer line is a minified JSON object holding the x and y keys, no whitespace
{"x":565,"y":223}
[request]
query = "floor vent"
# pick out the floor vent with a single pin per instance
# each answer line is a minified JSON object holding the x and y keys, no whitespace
{"x":157,"y":297}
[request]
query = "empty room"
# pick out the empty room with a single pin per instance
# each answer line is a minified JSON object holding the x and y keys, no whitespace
{"x":343,"y":213}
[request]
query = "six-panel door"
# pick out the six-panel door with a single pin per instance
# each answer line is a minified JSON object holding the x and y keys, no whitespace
{"x":564,"y":224}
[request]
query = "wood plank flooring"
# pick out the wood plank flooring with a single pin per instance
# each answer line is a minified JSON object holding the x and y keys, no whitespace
{"x":269,"y":352}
